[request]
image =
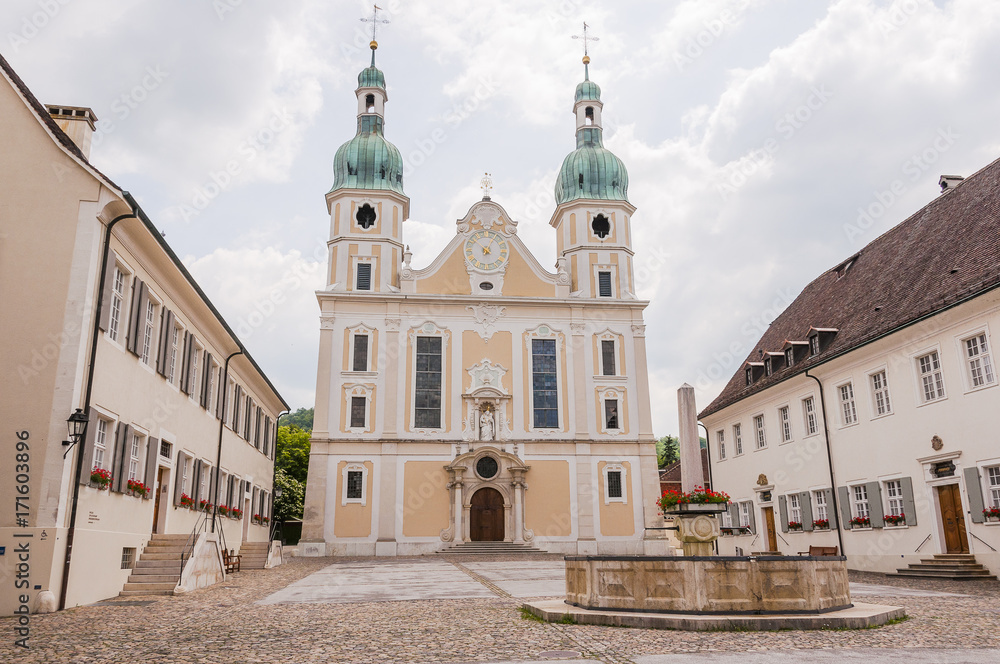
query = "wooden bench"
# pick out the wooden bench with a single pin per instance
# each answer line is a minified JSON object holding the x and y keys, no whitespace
{"x":231,"y":561}
{"x":819,"y":551}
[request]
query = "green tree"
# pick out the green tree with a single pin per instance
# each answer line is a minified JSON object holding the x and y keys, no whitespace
{"x":292,"y":454}
{"x":667,"y":451}
{"x":293,"y":495}
{"x":302,"y":418}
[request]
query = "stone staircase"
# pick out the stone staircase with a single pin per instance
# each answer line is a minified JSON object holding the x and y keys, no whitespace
{"x":489,"y":549}
{"x":253,"y":555}
{"x":952,"y":566}
{"x":158,"y":569}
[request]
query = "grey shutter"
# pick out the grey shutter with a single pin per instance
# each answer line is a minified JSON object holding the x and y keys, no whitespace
{"x":845,"y":505}
{"x":909,"y":505}
{"x":364,"y":276}
{"x":121,"y":450}
{"x":166,"y":335}
{"x":237,"y":402}
{"x":182,"y":370}
{"x":179,"y":478}
{"x":753,"y":519}
{"x":783,"y":513}
{"x":875,"y":509}
{"x":189,"y":358}
{"x":88,"y":445}
{"x":196,"y":486}
{"x":734,"y":515}
{"x":974,"y":487}
{"x":805,"y":502}
{"x":134,"y":317}
{"x":206,"y":397}
{"x":253,"y":502}
{"x":152,"y":452}
{"x":831,"y":512}
{"x":106,"y":290}
{"x":211,"y":485}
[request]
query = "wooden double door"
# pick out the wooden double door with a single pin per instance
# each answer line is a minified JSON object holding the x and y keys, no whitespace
{"x":486,"y":516}
{"x":953,"y":519}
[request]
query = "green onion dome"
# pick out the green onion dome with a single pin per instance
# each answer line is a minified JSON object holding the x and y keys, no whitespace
{"x":372,"y":77}
{"x":368,"y":161}
{"x":591,"y":171}
{"x":589,"y":91}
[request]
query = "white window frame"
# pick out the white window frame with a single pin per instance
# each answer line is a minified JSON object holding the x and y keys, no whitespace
{"x":810,"y":419}
{"x":738,"y":439}
{"x":794,"y":508}
{"x":745,"y":507}
{"x":991,"y":478}
{"x":881,"y":401}
{"x":893,"y":490}
{"x":759,"y":432}
{"x":814,"y":345}
{"x":354,"y":466}
{"x":175,"y":354}
{"x":848,"y":404}
{"x":608,"y":394}
{"x":364,"y":260}
{"x":147,"y":348}
{"x":727,"y":519}
{"x":135,"y":452}
{"x":785,"y":424}
{"x":118,"y":313}
{"x":980,"y":365}
{"x":205,"y":482}
{"x":101,"y":442}
{"x":615,"y":468}
{"x":353,"y":333}
{"x":820,"y":507}
{"x":720,"y":439}
{"x":185,"y":472}
{"x":934,"y":374}
{"x":361,"y":391}
{"x":859,"y":498}
{"x":213,"y":371}
{"x":547,"y":332}
{"x":196,"y":361}
{"x":613,"y":271}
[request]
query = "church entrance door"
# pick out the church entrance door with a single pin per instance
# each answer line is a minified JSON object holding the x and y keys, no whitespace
{"x":486,"y":516}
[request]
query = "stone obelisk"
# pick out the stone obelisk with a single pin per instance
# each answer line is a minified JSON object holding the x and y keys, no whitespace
{"x":692,"y":471}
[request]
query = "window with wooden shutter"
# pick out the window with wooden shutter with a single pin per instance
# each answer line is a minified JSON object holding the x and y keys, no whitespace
{"x":604,"y":284}
{"x":364,"y":273}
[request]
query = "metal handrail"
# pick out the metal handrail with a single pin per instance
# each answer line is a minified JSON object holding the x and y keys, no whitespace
{"x":982,"y":540}
{"x":192,"y":539}
{"x":922,"y":544}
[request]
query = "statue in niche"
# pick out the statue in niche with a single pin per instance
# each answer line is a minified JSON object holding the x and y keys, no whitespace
{"x":487,"y":428}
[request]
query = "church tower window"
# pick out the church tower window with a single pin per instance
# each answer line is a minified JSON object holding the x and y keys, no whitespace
{"x":608,"y":357}
{"x":427,"y":395}
{"x":601,"y":226}
{"x":358,"y":408}
{"x":589,"y":112}
{"x":545,"y":391}
{"x":364,"y":281}
{"x":365,"y":216}
{"x":370,"y":103}
{"x":360,"y":353}
{"x":611,"y":413}
{"x":604,"y":284}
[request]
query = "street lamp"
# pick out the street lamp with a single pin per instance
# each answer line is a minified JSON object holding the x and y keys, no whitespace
{"x":76,"y":426}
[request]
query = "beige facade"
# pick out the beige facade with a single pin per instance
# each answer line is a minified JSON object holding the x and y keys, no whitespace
{"x":908,"y":418}
{"x":159,"y":369}
{"x":482,"y":397}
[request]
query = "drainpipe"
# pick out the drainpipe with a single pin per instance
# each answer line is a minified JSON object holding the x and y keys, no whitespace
{"x":829,"y":458}
{"x":222,"y":427}
{"x":95,"y":335}
{"x":274,"y":474}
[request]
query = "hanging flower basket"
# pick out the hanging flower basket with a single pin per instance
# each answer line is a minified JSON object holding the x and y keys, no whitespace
{"x":100,"y":478}
{"x":699,"y":501}
{"x":137,"y":488}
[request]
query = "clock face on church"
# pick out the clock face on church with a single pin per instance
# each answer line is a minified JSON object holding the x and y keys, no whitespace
{"x":486,"y":250}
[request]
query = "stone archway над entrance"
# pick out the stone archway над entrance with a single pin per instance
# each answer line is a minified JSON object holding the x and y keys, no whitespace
{"x":486,"y":516}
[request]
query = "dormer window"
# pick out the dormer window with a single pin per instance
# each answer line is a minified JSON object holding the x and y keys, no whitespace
{"x":370,"y":103}
{"x":767,"y":366}
{"x":789,"y":357}
{"x":814,"y":345}
{"x":820,"y":339}
{"x":601,"y":226}
{"x":589,"y":115}
{"x":580,"y":181}
{"x":749,"y":376}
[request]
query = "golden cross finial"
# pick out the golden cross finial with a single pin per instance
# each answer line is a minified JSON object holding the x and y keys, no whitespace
{"x":586,"y":38}
{"x":375,"y":20}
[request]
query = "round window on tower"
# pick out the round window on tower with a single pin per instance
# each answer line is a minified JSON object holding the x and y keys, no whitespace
{"x":365,"y":216}
{"x":487,"y":467}
{"x":601,"y":226}
{"x":486,"y":285}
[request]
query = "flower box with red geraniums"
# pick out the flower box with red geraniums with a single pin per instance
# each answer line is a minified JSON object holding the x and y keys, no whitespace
{"x":137,"y":488}
{"x":821,"y":524}
{"x":100,"y":478}
{"x":205,"y":506}
{"x":992,"y":513}
{"x":236,"y":513}
{"x":894,"y":519}
{"x":255,"y":518}
{"x":700,"y":500}
{"x":187,"y":501}
{"x":795,"y":525}
{"x":861,"y":522}
{"x":265,"y":520}
{"x":224,"y":510}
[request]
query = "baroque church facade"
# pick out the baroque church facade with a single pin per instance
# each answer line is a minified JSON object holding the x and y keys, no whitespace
{"x":482,"y":398}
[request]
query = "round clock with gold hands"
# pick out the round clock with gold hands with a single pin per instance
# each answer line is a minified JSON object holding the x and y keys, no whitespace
{"x":486,"y":250}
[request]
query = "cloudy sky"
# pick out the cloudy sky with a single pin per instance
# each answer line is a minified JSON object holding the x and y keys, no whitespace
{"x":766,"y":140}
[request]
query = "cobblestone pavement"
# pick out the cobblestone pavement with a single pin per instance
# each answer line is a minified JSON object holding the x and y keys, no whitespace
{"x":226,"y":623}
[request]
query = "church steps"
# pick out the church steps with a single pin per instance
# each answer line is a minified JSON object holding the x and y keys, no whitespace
{"x":956,"y":567}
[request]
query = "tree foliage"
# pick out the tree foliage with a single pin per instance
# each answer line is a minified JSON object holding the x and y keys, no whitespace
{"x":302,"y":418}
{"x":292,"y":455}
{"x":293,"y":495}
{"x":667,"y":451}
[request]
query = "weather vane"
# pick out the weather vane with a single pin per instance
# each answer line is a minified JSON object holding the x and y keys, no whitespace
{"x":375,"y":20}
{"x":586,"y":38}
{"x":487,"y":184}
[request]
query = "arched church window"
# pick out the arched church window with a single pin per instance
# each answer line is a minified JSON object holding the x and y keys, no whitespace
{"x":370,"y":103}
{"x":365,"y":216}
{"x":601,"y":226}
{"x":589,"y":113}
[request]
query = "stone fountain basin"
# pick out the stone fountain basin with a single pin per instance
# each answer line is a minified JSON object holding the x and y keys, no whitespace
{"x":736,"y":585}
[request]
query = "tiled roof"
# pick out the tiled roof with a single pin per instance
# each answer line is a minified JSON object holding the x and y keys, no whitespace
{"x":947,"y":252}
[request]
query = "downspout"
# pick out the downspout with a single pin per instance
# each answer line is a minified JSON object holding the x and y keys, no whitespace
{"x":95,"y":335}
{"x":829,"y":458}
{"x":274,"y":473}
{"x":222,"y":428}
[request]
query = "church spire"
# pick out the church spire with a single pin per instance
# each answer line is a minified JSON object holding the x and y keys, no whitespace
{"x":375,"y":20}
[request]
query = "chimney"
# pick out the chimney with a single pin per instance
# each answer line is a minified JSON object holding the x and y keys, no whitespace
{"x":949,"y":182}
{"x":78,"y":122}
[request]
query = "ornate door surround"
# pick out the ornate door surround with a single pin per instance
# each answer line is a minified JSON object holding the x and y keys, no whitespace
{"x":487,"y":466}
